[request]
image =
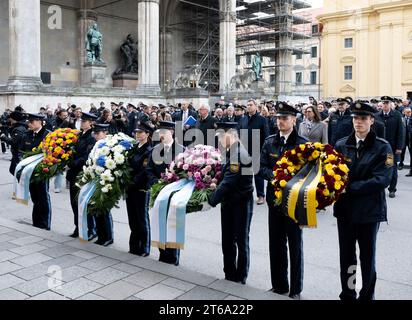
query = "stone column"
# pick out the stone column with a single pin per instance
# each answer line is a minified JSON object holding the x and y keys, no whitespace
{"x":166,"y":59}
{"x":25,"y":59}
{"x":148,"y":44}
{"x":227,"y":43}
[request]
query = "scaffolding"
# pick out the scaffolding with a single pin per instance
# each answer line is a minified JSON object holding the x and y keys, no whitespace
{"x":271,"y":28}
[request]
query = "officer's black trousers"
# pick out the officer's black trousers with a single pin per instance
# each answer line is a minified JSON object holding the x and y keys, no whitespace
{"x":104,"y":226}
{"x":283,"y":231}
{"x":39,"y":192}
{"x":394,"y":180}
{"x":138,"y":212}
{"x":236,"y":218}
{"x":365,"y":235}
{"x":74,"y":191}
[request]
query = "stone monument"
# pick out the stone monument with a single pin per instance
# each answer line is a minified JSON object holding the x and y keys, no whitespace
{"x":127,"y":75}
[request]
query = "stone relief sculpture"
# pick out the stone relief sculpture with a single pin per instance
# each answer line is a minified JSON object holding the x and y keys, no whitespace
{"x":129,"y":56}
{"x":94,"y":45}
{"x":189,"y":77}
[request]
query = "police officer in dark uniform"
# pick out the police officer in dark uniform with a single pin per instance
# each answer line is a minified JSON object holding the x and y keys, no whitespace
{"x":235,"y":193}
{"x":340,"y":122}
{"x":39,"y":191}
{"x":162,"y":156}
{"x":82,"y":150}
{"x":394,"y":134}
{"x":282,"y":229}
{"x":138,"y":195}
{"x":104,"y":220}
{"x":18,"y":129}
{"x":362,"y":207}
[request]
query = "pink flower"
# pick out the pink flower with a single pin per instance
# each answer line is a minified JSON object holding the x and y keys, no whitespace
{"x":185,"y":167}
{"x":213,"y":186}
{"x":197,"y":174}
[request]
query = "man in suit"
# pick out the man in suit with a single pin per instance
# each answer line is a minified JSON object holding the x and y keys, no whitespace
{"x":180,"y":117}
{"x":256,"y":127}
{"x":394,"y":134}
{"x":408,"y":135}
{"x":206,"y":127}
{"x":39,"y":191}
{"x":162,"y":156}
{"x":230,"y":115}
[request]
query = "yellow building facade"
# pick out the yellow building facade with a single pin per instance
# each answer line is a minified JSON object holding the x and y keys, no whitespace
{"x":366,"y":48}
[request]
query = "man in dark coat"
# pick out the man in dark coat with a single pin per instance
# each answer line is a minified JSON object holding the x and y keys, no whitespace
{"x":206,"y":126}
{"x":362,"y":207}
{"x":82,"y":150}
{"x":181,"y":116}
{"x":282,"y":229}
{"x":394,"y":134}
{"x":162,"y":156}
{"x":255,"y":128}
{"x":18,"y":129}
{"x":340,"y":123}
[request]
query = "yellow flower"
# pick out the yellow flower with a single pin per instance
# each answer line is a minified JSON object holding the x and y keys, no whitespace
{"x":283,"y":183}
{"x":329,"y":167}
{"x":278,"y":194}
{"x":293,"y":152}
{"x":302,"y":147}
{"x":322,"y":179}
{"x":338,"y":177}
{"x":291,"y":169}
{"x":59,"y":141}
{"x":70,"y":136}
{"x":315,"y":154}
{"x":326,"y":193}
{"x":331,"y":157}
{"x":344,"y":168}
{"x":338,"y":186}
{"x":69,"y":141}
{"x":318,"y":145}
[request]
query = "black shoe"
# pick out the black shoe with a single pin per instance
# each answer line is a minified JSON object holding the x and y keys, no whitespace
{"x":99,"y":242}
{"x":281,"y":292}
{"x":92,"y":237}
{"x":295,"y":296}
{"x":392,"y":194}
{"x":108,"y":243}
{"x":75,"y":234}
{"x":400,"y":167}
{"x":243,"y":281}
{"x":409,"y":174}
{"x":144,"y":255}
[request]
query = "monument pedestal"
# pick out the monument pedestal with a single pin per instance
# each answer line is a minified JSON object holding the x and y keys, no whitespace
{"x":126,"y":80}
{"x":197,"y":96}
{"x":94,"y":75}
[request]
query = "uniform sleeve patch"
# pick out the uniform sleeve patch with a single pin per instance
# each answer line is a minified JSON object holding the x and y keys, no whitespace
{"x":145,"y":163}
{"x":389,"y":160}
{"x":234,"y":168}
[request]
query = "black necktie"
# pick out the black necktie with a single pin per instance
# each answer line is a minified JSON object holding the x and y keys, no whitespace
{"x":360,"y":147}
{"x":282,"y":144}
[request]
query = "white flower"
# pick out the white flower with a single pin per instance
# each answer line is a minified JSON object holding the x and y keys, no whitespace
{"x":118,"y":173}
{"x":118,"y":149}
{"x":110,"y":164}
{"x":99,"y":170}
{"x":119,"y":158}
{"x":102,"y":182}
{"x":105,"y":189}
{"x":84,"y":180}
{"x":104,"y":151}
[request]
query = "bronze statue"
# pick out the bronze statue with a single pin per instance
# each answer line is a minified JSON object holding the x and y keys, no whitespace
{"x":257,"y":66}
{"x":129,"y":55}
{"x":94,"y":45}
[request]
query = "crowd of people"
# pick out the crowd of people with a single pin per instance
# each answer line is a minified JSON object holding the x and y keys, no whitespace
{"x":374,"y":135}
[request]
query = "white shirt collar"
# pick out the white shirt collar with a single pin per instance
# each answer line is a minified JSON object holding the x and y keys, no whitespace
{"x":358,"y":139}
{"x":286,"y":136}
{"x":36,"y":132}
{"x":168,"y":146}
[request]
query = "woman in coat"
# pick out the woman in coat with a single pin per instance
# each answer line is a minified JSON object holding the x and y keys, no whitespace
{"x":312,"y":128}
{"x":138,"y":195}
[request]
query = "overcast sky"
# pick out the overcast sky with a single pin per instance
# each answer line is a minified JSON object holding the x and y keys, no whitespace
{"x":316,"y":3}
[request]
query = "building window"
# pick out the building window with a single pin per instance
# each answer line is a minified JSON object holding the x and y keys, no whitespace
{"x":315,"y":29}
{"x":313,"y":77}
{"x":298,"y":78}
{"x":249,"y":59}
{"x":299,"y":56}
{"x":272,"y":79}
{"x":348,"y":73}
{"x":314,"y":52}
{"x":238,"y":60}
{"x":348,"y":42}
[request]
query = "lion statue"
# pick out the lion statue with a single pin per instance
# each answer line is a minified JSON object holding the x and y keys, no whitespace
{"x":242,"y":81}
{"x":189,"y":77}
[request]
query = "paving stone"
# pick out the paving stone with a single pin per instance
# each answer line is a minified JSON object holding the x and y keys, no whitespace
{"x":17,"y":234}
{"x":7,"y":246}
{"x":77,"y":288}
{"x":125,"y":267}
{"x":8,"y":280}
{"x":58,"y":251}
{"x":7,"y":255}
{"x":4,"y":230}
{"x":49,"y":295}
{"x":91,"y":296}
{"x":202,"y":293}
{"x":179,"y":284}
{"x":84,"y":254}
{"x":32,"y":272}
{"x":64,"y":261}
{"x":107,"y":276}
{"x":31,"y":259}
{"x":7,"y":267}
{"x":28,"y":249}
{"x":133,"y":298}
{"x":26,"y":240}
{"x":73,"y":273}
{"x":37,"y":286}
{"x":11,"y":294}
{"x":5,"y":237}
{"x":233,"y":298}
{"x":48,"y":243}
{"x":145,"y":278}
{"x":159,"y":292}
{"x":98,"y":263}
{"x":119,"y":290}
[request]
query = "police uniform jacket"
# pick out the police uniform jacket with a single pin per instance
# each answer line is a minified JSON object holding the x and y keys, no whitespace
{"x":17,"y":132}
{"x":139,"y":163}
{"x":237,"y":177}
{"x":394,"y":129}
{"x":31,"y":140}
{"x":364,"y":199}
{"x":156,"y":167}
{"x":339,"y":126}
{"x":271,"y":152}
{"x":82,"y":150}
